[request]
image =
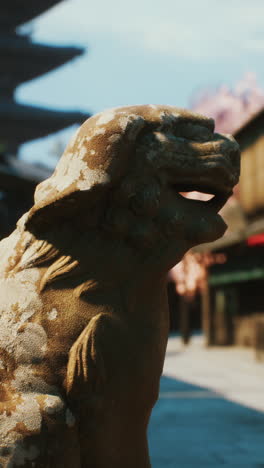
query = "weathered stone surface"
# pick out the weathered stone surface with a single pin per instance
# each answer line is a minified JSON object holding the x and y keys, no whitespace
{"x":84,"y":317}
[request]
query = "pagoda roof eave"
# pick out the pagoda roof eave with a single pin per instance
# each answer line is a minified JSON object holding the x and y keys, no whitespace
{"x":16,"y":12}
{"x":15,"y":173}
{"x":31,"y":122}
{"x":23,"y":60}
{"x":23,"y":175}
{"x":29,"y":172}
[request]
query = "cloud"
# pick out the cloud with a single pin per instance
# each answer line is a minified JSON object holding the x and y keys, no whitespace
{"x":191,"y":29}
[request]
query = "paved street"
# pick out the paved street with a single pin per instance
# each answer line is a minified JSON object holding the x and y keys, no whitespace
{"x":211,"y":409}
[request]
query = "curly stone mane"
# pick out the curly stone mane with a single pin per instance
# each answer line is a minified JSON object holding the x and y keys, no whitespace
{"x":132,"y":220}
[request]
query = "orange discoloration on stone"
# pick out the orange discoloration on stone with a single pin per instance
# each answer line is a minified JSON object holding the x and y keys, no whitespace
{"x":21,"y":428}
{"x":9,"y":400}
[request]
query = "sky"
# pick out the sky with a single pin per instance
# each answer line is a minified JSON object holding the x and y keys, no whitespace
{"x":142,"y":51}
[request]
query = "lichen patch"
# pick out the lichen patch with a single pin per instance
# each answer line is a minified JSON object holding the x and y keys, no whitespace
{"x":92,"y":177}
{"x":53,"y":404}
{"x":27,"y":412}
{"x":31,"y":343}
{"x":99,"y":131}
{"x":73,"y":139}
{"x":18,"y":293}
{"x":53,"y":314}
{"x":106,"y":117}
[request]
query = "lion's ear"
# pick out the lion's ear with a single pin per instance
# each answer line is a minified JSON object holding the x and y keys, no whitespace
{"x":41,"y":217}
{"x":134,"y":125}
{"x":79,"y":208}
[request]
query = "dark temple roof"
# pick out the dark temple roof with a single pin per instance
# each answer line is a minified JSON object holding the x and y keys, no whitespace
{"x":16,"y":12}
{"x":22,"y":60}
{"x":15,"y":173}
{"x":20,"y":123}
{"x":250,"y":130}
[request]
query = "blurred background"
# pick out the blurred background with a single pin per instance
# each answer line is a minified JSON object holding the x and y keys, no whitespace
{"x":64,"y":60}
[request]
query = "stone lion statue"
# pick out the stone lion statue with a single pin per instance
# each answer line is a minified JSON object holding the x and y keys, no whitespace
{"x":84,"y":315}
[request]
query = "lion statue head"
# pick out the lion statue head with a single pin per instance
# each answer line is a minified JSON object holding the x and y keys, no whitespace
{"x":123,"y":174}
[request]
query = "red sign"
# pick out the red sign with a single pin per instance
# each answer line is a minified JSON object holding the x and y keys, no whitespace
{"x":257,"y":239}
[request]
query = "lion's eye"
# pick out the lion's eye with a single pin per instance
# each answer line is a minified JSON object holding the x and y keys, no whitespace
{"x":195,"y":132}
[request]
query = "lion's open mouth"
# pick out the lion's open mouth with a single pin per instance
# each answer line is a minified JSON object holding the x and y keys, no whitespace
{"x":195,"y":195}
{"x":202,"y":194}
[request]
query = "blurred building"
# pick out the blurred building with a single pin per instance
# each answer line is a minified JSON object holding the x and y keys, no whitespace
{"x":219,"y":286}
{"x":231,"y":299}
{"x":23,"y":60}
{"x":233,"y":303}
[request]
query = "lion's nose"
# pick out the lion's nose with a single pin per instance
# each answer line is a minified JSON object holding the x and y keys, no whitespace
{"x":233,"y":151}
{"x":229,"y":148}
{"x":234,"y":156}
